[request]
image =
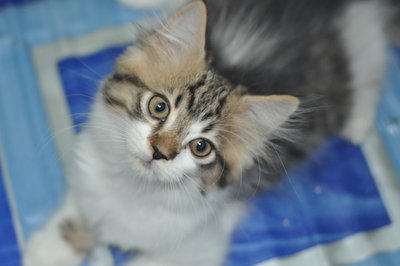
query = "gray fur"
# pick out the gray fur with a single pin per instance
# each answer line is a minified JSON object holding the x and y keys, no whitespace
{"x":286,"y":47}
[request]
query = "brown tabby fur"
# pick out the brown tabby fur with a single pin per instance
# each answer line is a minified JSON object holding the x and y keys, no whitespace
{"x":178,"y":70}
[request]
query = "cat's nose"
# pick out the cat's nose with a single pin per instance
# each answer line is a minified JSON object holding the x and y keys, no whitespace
{"x":157,"y":154}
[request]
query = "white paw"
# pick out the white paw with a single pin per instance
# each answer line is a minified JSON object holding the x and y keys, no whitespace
{"x":48,"y":248}
{"x":357,"y":130}
{"x":101,"y":256}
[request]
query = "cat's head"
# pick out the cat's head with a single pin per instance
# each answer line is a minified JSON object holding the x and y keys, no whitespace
{"x":182,"y":120}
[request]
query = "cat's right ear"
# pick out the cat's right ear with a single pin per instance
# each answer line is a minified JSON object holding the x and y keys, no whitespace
{"x":185,"y":31}
{"x":181,"y":37}
{"x":173,"y":53}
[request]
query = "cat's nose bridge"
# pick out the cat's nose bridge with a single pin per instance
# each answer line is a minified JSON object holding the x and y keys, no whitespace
{"x":165,"y":145}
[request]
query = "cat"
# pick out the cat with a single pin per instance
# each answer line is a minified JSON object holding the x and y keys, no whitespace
{"x":202,"y":113}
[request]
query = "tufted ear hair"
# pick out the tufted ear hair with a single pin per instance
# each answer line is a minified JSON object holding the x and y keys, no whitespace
{"x":182,"y":37}
{"x":259,"y":117}
{"x":173,"y":53}
{"x":268,"y":112}
{"x":251,"y":121}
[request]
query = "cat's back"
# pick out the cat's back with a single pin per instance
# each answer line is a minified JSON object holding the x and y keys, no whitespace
{"x":330,"y":54}
{"x":278,"y":46}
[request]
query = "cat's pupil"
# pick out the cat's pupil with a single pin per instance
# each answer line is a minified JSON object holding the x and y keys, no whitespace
{"x":201,"y":146}
{"x":160,"y":107}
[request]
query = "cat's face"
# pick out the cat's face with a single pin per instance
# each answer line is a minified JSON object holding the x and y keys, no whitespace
{"x":182,"y":119}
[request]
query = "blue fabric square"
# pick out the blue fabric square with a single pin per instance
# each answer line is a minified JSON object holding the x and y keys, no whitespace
{"x":329,"y":197}
{"x":4,"y":3}
{"x":9,"y":250}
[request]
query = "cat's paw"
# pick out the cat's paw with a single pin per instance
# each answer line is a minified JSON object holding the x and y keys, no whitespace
{"x":77,"y":234}
{"x":49,"y":248}
{"x":358,"y":130}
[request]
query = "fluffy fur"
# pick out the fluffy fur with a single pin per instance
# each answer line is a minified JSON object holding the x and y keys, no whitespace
{"x":138,"y":185}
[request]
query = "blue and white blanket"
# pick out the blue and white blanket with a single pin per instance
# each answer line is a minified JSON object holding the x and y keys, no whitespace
{"x":341,"y":207}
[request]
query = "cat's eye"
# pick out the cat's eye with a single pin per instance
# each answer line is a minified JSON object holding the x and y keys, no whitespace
{"x":200,"y":147}
{"x":158,"y":107}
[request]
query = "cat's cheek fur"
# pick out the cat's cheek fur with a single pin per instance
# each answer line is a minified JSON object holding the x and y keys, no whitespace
{"x":173,"y":171}
{"x":156,"y":170}
{"x":136,"y":140}
{"x":145,"y":214}
{"x":127,"y":145}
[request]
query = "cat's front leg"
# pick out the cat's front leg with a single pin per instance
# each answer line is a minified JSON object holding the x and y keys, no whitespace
{"x":63,"y":241}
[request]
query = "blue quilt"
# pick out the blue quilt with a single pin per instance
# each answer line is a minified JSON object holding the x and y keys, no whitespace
{"x":327,"y":199}
{"x":331,"y":196}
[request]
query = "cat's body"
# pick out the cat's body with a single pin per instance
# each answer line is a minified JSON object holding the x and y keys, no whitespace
{"x":331,"y":55}
{"x":172,"y":146}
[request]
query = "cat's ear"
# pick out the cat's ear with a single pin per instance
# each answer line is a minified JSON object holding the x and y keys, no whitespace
{"x":172,"y":54}
{"x":182,"y":36}
{"x":254,"y":120}
{"x":268,"y":112}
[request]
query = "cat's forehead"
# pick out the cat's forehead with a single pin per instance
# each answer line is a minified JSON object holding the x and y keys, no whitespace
{"x":191,"y":85}
{"x":206,"y":96}
{"x":199,"y":98}
{"x":157,"y":71}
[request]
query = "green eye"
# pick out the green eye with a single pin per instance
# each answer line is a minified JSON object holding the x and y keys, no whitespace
{"x":158,"y":107}
{"x":200,"y":147}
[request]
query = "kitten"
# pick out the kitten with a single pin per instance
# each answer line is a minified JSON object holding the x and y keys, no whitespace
{"x":179,"y":130}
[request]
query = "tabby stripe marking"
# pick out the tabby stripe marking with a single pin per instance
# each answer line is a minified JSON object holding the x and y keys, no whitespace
{"x":222,"y":102}
{"x":192,"y":90}
{"x":134,"y":80}
{"x":138,"y":109}
{"x":207,"y":116}
{"x":115,"y":102}
{"x":208,"y":128}
{"x":222,"y":181}
{"x":178,"y":100}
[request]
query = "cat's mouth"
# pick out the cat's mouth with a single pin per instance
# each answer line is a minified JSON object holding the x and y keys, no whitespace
{"x":150,"y":168}
{"x":150,"y":165}
{"x":146,"y":164}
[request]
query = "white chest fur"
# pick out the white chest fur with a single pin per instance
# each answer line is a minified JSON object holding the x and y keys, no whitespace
{"x":134,"y":213}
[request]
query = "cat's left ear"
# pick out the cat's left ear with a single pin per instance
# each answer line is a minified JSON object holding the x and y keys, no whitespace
{"x":254,"y":120}
{"x":268,"y":113}
{"x":183,"y":35}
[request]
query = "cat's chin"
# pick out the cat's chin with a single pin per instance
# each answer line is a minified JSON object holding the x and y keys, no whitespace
{"x":146,"y":167}
{"x":146,"y":164}
{"x":155,"y":171}
{"x":150,"y":170}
